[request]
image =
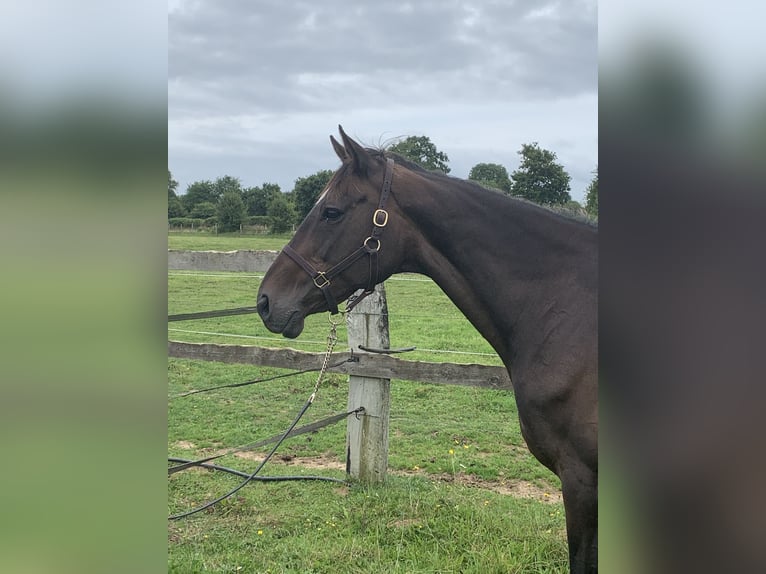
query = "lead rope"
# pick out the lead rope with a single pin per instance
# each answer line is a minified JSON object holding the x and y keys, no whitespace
{"x":332,"y":338}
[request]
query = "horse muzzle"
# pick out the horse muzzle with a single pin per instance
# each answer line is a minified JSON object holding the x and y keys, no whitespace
{"x":289,"y":322}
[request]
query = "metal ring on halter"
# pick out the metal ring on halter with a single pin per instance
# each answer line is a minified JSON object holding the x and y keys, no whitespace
{"x":370,"y":249}
{"x":375,"y":217}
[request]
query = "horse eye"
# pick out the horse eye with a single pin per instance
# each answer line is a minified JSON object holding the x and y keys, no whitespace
{"x":331,"y":214}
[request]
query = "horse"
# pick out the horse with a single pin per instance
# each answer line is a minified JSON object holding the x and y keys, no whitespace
{"x":525,"y":277}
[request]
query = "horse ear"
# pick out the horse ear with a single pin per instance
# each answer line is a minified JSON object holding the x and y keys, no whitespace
{"x":357,"y":153}
{"x":339,"y":149}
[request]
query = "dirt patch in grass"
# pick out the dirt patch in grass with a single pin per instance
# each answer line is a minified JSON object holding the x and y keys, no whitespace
{"x":184,"y":444}
{"x":515,"y":488}
{"x":174,"y":534}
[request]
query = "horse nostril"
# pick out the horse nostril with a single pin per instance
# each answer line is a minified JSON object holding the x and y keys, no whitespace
{"x":263,"y":306}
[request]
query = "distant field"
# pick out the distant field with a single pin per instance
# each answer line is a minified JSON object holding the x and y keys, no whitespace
{"x":196,"y":241}
{"x":464,"y":493}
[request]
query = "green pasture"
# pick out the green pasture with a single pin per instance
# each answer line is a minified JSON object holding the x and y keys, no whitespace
{"x":463,"y":493}
{"x":204,"y":241}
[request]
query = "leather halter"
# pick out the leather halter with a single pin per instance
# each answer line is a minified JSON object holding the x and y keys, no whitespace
{"x":370,"y":246}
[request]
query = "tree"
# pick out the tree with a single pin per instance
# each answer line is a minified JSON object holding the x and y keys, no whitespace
{"x":208,"y":191}
{"x":257,"y":199}
{"x":491,"y":175}
{"x":199,"y":192}
{"x":422,"y":151}
{"x":172,"y":185}
{"x":226,"y":184}
{"x":203,"y":210}
{"x":307,"y":190}
{"x":591,"y":196}
{"x":539,"y":178}
{"x":175,"y":208}
{"x":282,"y":214}
{"x":230,"y":212}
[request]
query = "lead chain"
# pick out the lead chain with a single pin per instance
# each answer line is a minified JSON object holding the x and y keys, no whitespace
{"x":332,"y":338}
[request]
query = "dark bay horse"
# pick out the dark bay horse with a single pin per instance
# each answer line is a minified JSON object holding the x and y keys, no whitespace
{"x":524,"y":276}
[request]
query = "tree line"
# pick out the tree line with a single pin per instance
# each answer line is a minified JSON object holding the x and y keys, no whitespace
{"x":226,"y":203}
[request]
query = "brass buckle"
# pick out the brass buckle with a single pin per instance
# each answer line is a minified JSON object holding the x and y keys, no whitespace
{"x":325,"y":279}
{"x":368,"y":248}
{"x":375,"y":218}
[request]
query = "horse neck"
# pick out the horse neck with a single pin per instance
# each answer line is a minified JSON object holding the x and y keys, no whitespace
{"x":503,"y":262}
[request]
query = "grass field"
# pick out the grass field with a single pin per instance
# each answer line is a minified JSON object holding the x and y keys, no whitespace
{"x":197,"y":241}
{"x":463,"y":493}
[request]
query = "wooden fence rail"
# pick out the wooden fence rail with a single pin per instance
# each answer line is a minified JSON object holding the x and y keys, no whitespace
{"x":368,"y":365}
{"x":369,"y":374}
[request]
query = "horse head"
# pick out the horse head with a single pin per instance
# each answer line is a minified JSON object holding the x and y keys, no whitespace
{"x":353,"y":238}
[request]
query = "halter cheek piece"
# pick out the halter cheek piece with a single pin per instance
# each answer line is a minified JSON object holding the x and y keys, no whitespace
{"x":370,"y":246}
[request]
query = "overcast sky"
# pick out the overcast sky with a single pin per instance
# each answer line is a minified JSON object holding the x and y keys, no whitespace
{"x":255,"y":87}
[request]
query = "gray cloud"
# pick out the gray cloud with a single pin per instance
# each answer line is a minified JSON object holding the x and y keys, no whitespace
{"x":248,"y":76}
{"x":267,"y":55}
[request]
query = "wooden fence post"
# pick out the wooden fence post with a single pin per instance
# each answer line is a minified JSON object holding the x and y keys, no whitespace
{"x":367,"y":436}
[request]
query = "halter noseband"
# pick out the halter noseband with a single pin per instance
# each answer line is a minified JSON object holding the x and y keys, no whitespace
{"x":370,"y":246}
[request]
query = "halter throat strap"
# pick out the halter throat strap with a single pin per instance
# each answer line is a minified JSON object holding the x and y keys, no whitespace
{"x":370,"y":246}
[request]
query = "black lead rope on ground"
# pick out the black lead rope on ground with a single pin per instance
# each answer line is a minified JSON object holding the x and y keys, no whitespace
{"x":261,"y":478}
{"x":302,"y":430}
{"x":331,"y":340}
{"x":250,"y":476}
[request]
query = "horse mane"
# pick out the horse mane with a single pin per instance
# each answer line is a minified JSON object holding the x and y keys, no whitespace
{"x":561,"y":211}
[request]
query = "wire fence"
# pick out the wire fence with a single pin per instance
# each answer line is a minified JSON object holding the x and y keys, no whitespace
{"x":320,"y":343}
